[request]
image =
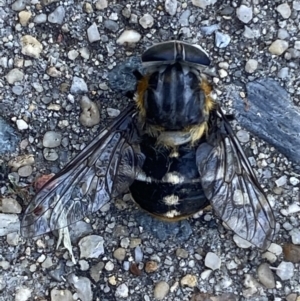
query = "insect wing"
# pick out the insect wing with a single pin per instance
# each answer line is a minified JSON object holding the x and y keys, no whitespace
{"x":104,"y":169}
{"x":232,"y":188}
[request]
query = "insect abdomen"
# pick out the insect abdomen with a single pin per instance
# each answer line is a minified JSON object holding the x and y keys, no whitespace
{"x":169,"y":186}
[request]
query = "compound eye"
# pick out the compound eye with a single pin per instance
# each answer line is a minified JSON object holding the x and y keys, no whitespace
{"x":196,"y":55}
{"x":176,"y":51}
{"x":159,"y":53}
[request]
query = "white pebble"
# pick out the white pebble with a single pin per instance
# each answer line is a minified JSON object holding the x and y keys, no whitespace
{"x":93,"y":33}
{"x":212,"y":261}
{"x":23,"y":294}
{"x":281,"y":181}
{"x":241,"y":243}
{"x":251,"y":65}
{"x":244,"y":13}
{"x":285,"y":270}
{"x":122,"y":291}
{"x":128,"y":37}
{"x":21,"y":124}
{"x":295,"y":234}
{"x":146,"y":21}
{"x":285,"y":10}
{"x":275,"y":248}
{"x":278,"y":47}
{"x":171,"y":7}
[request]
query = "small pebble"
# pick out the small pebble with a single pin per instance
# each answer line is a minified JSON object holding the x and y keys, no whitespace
{"x":23,"y":294}
{"x":96,"y":271}
{"x":171,"y":7}
{"x":243,"y":136}
{"x":208,"y":30}
{"x":181,"y":253}
{"x":284,"y":10}
{"x":278,"y":47}
{"x":14,"y":75}
{"x":205,"y":274}
{"x":78,"y":85}
{"x":22,"y":125}
{"x":24,"y":17}
{"x":151,"y":266}
{"x":212,"y":261}
{"x":281,"y":181}
{"x":109,"y":266}
{"x":31,"y":46}
{"x":19,"y":5}
{"x":61,"y":295}
{"x":189,"y":280}
{"x":122,"y":291}
{"x":50,"y":154}
{"x":52,"y":139}
{"x":91,"y":246}
{"x":57,"y":16}
{"x":88,"y":8}
{"x":82,"y":287}
{"x":101,"y":4}
{"x":90,"y":114}
{"x":10,"y":205}
{"x":161,"y":290}
{"x":47,"y":263}
{"x":40,"y":18}
{"x":146,"y":21}
{"x":128,"y":37}
{"x":241,"y":243}
{"x":203,"y":3}
{"x":73,"y":54}
{"x":275,"y":248}
{"x":296,"y":6}
{"x":294,"y":181}
{"x":266,"y":276}
{"x":113,"y":112}
{"x":251,"y":66}
{"x":25,"y":171}
{"x":120,"y":254}
{"x":222,"y":39}
{"x":13,"y":238}
{"x":283,"y":34}
{"x":295,"y":234}
{"x":283,"y":74}
{"x":285,"y":270}
{"x":138,"y":254}
{"x":93,"y":33}
{"x":244,"y":13}
{"x":111,"y":25}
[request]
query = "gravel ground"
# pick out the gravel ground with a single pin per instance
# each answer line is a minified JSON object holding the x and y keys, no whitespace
{"x":55,"y":60}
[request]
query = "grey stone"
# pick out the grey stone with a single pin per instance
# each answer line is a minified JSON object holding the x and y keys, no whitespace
{"x":40,"y":18}
{"x":93,"y":33}
{"x":267,"y":100}
{"x":266,"y":276}
{"x":91,"y":246}
{"x":57,"y":16}
{"x":14,"y":75}
{"x":171,"y":7}
{"x":82,"y":286}
{"x":19,"y":5}
{"x":244,"y":13}
{"x":285,"y":270}
{"x":222,"y":39}
{"x":52,"y":139}
{"x":78,"y":85}
{"x":111,"y":25}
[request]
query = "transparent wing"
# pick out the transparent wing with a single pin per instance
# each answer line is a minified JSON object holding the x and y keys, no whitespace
{"x":231,"y":185}
{"x":104,"y":169}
